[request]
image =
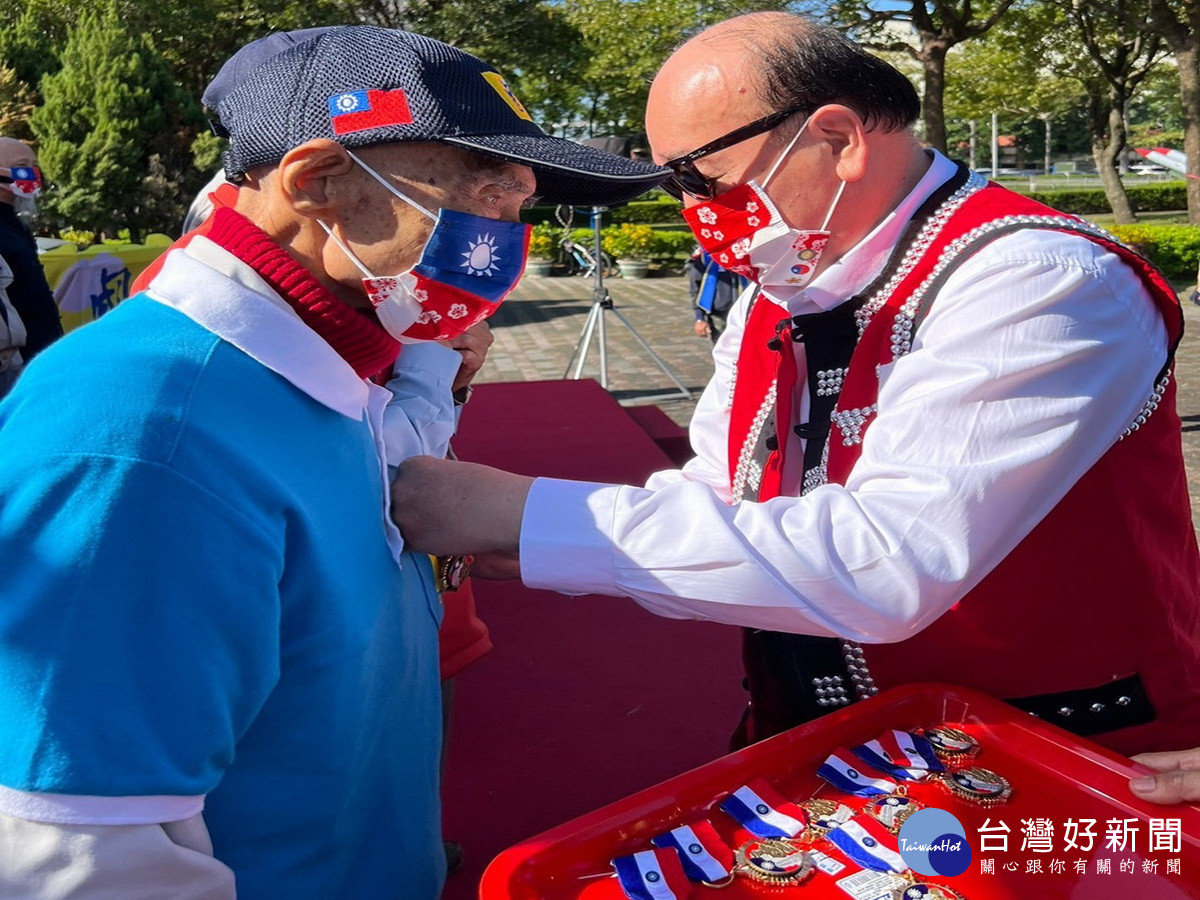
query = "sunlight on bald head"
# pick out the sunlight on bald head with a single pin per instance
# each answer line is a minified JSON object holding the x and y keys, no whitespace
{"x":714,"y":79}
{"x":15,"y":153}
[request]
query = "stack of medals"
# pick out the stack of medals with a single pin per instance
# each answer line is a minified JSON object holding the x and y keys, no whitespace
{"x":781,"y":844}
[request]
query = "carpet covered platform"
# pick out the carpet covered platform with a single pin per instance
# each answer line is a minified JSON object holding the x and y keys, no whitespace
{"x":584,"y":700}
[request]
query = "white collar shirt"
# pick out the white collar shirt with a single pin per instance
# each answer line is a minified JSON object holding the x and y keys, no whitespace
{"x":1040,"y":351}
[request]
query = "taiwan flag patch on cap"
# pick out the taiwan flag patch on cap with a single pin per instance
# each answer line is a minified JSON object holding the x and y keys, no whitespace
{"x":362,"y":110}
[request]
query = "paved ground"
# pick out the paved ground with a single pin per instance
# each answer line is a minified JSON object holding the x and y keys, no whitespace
{"x":539,"y":326}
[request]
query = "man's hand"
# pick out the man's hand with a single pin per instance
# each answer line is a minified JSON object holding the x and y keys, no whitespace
{"x":1176,"y":778}
{"x":473,"y":345}
{"x":449,"y":508}
{"x":701,"y":328}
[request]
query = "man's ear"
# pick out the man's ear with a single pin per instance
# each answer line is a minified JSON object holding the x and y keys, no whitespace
{"x":312,"y":177}
{"x":841,"y":128}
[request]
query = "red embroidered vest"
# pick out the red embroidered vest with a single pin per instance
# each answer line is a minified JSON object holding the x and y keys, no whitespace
{"x":1099,"y":604}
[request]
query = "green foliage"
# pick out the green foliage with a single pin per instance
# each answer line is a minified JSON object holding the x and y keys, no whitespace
{"x":543,"y":241}
{"x":110,"y":130}
{"x":1173,"y":248}
{"x":638,"y":212}
{"x":630,"y":241}
{"x":206,"y":151}
{"x":625,"y":42}
{"x":16,"y":103}
{"x":1144,"y":198}
{"x":33,"y":37}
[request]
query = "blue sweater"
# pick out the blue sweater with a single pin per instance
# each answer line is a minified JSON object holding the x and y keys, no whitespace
{"x":200,"y":600}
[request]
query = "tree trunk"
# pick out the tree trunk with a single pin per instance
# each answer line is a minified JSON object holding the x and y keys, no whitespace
{"x":933,"y":64}
{"x":1108,"y":140}
{"x":1188,"y":64}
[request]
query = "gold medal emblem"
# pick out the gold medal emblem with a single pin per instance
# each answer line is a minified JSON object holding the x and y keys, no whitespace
{"x":891,"y":810}
{"x":773,"y":861}
{"x":923,"y":890}
{"x":824,"y":816}
{"x":951,"y":744}
{"x":979,"y":785}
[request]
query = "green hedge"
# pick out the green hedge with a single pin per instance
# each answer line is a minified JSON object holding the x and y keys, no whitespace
{"x":663,"y":210}
{"x":1173,"y":248}
{"x":1163,"y":197}
{"x":660,"y":210}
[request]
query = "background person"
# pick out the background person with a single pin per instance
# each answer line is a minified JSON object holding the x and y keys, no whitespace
{"x":713,"y":291}
{"x":940,"y":443}
{"x":220,"y":662}
{"x":12,"y":335}
{"x":29,"y":293}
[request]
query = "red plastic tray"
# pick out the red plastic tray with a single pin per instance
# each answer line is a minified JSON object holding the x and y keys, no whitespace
{"x":1055,"y":776}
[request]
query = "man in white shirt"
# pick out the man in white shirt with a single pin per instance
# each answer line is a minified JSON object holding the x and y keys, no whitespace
{"x":940,"y":443}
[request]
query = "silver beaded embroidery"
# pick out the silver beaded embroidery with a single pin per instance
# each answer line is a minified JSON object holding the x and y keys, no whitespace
{"x":913,"y":255}
{"x":902,"y":327}
{"x":813,"y":479}
{"x":829,"y":381}
{"x":1148,"y":410}
{"x":831,"y":691}
{"x":856,"y":664}
{"x":851,"y":422}
{"x":747,"y":468}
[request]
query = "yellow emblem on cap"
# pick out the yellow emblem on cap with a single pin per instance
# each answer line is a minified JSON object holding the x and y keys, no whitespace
{"x":496,"y":80}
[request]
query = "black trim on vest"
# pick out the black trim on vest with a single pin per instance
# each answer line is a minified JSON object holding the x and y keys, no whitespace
{"x":794,"y":678}
{"x":1116,"y":704}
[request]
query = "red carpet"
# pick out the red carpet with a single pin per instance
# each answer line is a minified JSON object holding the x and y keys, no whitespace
{"x":584,"y":699}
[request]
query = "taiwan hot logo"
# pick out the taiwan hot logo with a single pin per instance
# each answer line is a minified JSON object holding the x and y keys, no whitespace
{"x":933,"y":842}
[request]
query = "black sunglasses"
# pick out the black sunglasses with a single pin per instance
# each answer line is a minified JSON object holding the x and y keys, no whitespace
{"x":687,"y":179}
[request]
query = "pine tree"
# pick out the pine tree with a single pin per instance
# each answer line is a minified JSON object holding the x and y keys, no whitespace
{"x":111,"y":109}
{"x":16,"y":103}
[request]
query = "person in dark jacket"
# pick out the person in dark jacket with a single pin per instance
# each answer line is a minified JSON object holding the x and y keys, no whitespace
{"x":713,"y":291}
{"x":29,"y":293}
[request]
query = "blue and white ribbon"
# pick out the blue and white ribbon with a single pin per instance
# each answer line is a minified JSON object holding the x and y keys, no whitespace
{"x":851,"y":777}
{"x":647,"y":876}
{"x":764,"y":816}
{"x":700,"y":849}
{"x":899,"y":753}
{"x":867,"y":843}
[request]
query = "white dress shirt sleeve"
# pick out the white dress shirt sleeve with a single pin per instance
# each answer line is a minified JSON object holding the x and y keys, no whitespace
{"x":421,"y":417}
{"x":1038,"y":352}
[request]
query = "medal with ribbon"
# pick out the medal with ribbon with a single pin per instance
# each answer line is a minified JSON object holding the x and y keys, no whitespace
{"x":924,"y":890}
{"x":850,"y":776}
{"x":901,"y":755}
{"x":764,"y":812}
{"x":892,"y":809}
{"x":951,"y":744}
{"x":705,"y":857}
{"x":864,"y":841}
{"x":775,"y":862}
{"x":652,"y":875}
{"x":978,"y":785}
{"x":824,"y":815}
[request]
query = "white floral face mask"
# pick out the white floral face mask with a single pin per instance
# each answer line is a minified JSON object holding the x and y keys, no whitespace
{"x":743,"y":231}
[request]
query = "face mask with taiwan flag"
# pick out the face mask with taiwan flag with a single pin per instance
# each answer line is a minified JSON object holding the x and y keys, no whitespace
{"x":467,"y":268}
{"x":743,"y":231}
{"x":24,"y":181}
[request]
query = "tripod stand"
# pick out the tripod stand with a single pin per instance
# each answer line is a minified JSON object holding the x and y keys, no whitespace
{"x":593,"y":326}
